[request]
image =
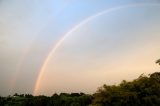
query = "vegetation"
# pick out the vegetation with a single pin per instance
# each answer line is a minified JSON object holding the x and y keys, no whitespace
{"x":143,"y":91}
{"x":158,"y":61}
{"x":63,"y":99}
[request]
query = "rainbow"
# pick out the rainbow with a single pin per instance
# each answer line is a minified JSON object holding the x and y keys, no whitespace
{"x":26,"y":51}
{"x":90,"y":18}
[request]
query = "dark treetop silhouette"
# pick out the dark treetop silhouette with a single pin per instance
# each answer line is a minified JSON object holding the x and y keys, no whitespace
{"x":158,"y":61}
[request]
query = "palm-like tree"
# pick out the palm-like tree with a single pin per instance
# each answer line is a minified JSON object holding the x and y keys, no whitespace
{"x":158,"y":61}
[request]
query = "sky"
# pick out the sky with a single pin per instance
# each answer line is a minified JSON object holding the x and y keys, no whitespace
{"x":53,"y":46}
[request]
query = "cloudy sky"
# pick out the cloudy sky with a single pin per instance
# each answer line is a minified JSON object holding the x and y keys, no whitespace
{"x":49,"y":46}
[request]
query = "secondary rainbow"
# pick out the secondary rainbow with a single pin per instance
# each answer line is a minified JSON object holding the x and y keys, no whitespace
{"x":58,"y":44}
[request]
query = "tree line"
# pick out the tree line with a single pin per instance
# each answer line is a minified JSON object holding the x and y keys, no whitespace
{"x":143,"y":91}
{"x":62,"y":99}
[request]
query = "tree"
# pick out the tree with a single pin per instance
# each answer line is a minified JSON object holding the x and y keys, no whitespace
{"x":156,"y":76}
{"x":143,"y":91}
{"x":158,"y":61}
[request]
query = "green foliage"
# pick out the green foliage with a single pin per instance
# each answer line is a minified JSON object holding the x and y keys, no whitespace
{"x":63,"y":99}
{"x":143,"y":91}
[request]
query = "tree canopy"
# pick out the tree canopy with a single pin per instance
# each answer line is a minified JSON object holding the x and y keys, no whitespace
{"x":158,"y":61}
{"x":143,"y":91}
